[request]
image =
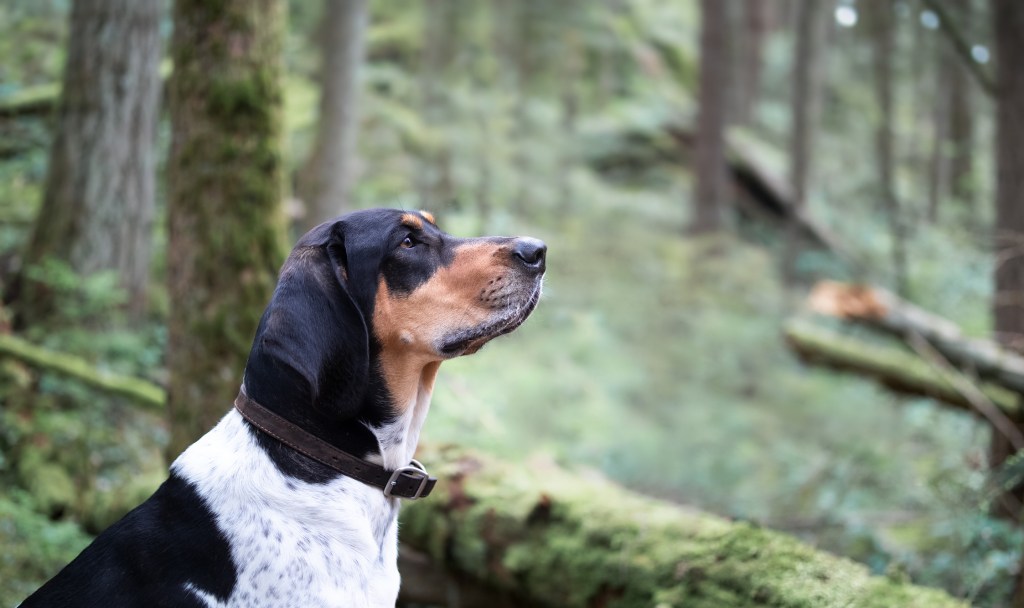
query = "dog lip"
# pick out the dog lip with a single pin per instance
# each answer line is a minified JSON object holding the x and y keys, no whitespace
{"x":473,"y":339}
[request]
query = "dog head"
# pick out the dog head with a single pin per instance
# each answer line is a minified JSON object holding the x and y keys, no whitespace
{"x":369,"y":304}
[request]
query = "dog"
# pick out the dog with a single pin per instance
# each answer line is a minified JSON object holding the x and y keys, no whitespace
{"x":257,"y":512}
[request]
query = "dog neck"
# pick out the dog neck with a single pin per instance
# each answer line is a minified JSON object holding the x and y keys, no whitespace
{"x":398,"y":438}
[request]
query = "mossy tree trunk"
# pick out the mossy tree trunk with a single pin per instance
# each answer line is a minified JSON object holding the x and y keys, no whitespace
{"x":551,"y":538}
{"x":98,"y":202}
{"x":226,"y":226}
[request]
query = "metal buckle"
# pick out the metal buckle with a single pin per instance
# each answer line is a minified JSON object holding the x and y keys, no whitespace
{"x":415,"y":470}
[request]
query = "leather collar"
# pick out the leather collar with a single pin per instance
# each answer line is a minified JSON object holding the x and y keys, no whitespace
{"x":411,"y":481}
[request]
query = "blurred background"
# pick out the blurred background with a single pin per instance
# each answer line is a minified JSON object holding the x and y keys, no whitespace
{"x":696,"y":168}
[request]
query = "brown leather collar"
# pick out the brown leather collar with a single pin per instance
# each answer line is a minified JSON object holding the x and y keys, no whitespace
{"x":411,"y":481}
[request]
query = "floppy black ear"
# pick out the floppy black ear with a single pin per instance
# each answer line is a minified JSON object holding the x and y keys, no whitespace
{"x":310,"y":359}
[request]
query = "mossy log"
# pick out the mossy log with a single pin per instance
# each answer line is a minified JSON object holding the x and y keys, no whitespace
{"x":883,"y":310}
{"x":894,"y":367}
{"x":553,"y":538}
{"x":38,"y":100}
{"x":142,"y":392}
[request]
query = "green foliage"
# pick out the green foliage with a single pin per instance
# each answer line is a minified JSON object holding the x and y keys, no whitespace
{"x":35,"y":548}
{"x":655,"y":358}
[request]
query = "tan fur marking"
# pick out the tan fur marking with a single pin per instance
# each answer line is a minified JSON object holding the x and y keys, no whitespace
{"x":411,"y":220}
{"x":428,"y":216}
{"x":410,"y":327}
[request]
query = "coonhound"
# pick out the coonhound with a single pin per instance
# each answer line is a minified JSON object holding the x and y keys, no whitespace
{"x":292,"y":499}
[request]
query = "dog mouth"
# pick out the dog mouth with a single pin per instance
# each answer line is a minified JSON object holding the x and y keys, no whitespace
{"x":468,"y":341}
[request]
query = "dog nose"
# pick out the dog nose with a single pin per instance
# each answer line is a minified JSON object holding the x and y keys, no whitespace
{"x":532,"y":252}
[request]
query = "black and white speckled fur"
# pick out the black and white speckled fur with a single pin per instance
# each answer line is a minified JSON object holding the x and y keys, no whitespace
{"x":294,"y":543}
{"x":365,"y":309}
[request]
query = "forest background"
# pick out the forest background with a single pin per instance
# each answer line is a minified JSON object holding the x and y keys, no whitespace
{"x":695,"y":167}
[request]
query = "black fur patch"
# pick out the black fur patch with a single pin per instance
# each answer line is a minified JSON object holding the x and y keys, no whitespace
{"x":146,"y":558}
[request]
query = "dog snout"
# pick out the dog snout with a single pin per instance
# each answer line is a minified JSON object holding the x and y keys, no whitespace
{"x":531,"y":253}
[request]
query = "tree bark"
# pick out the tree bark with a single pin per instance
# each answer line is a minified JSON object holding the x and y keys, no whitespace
{"x":756,"y":21}
{"x":99,"y":196}
{"x":557,"y":539}
{"x":1008,"y":311}
{"x":883,"y":31}
{"x":805,"y":105}
{"x":709,"y":149}
{"x":325,"y":182}
{"x":938,"y":165}
{"x":961,"y":135}
{"x":441,"y":24}
{"x":226,"y":226}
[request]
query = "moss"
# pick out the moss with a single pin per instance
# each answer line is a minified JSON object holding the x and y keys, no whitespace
{"x":139,"y":391}
{"x":565,"y":540}
{"x":226,"y":225}
{"x":894,"y":366}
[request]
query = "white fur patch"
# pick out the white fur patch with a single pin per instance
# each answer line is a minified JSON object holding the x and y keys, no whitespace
{"x":295,"y":543}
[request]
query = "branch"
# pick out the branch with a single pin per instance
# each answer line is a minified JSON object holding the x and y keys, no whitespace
{"x":883,"y":310}
{"x":140,"y":391}
{"x":895,"y":368}
{"x":962,"y":49}
{"x":999,"y":420}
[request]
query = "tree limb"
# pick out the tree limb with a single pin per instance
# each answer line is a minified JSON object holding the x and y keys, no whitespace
{"x":895,"y":368}
{"x":883,"y":310}
{"x":142,"y":392}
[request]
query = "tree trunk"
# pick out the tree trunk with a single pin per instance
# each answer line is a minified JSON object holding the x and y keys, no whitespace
{"x":938,"y":165}
{"x":572,"y":74}
{"x":1008,"y":304}
{"x":883,"y":31}
{"x":525,"y":64}
{"x":552,"y":538}
{"x":99,"y":197}
{"x":441,"y":22}
{"x":226,"y":225}
{"x":960,"y":135}
{"x":805,"y":104}
{"x":325,"y":182}
{"x":709,"y":150}
{"x":755,"y":20}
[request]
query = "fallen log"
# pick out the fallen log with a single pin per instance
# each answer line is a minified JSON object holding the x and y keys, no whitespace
{"x":895,"y":368}
{"x":558,"y":539}
{"x":881,"y":309}
{"x":424,"y":583}
{"x":140,"y":391}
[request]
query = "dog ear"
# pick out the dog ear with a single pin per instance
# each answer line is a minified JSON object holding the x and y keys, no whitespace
{"x":310,"y":360}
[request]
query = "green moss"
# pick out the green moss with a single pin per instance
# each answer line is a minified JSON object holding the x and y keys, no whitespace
{"x":34,"y":548}
{"x":572,"y":541}
{"x":893,"y":364}
{"x":139,"y":391}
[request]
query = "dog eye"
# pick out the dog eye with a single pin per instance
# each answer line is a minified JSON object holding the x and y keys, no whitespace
{"x":408,"y":243}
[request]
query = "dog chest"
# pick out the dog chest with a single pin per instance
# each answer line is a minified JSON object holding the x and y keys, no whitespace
{"x":292,"y":543}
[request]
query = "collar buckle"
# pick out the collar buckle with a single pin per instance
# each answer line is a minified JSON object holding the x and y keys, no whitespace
{"x":414,"y":470}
